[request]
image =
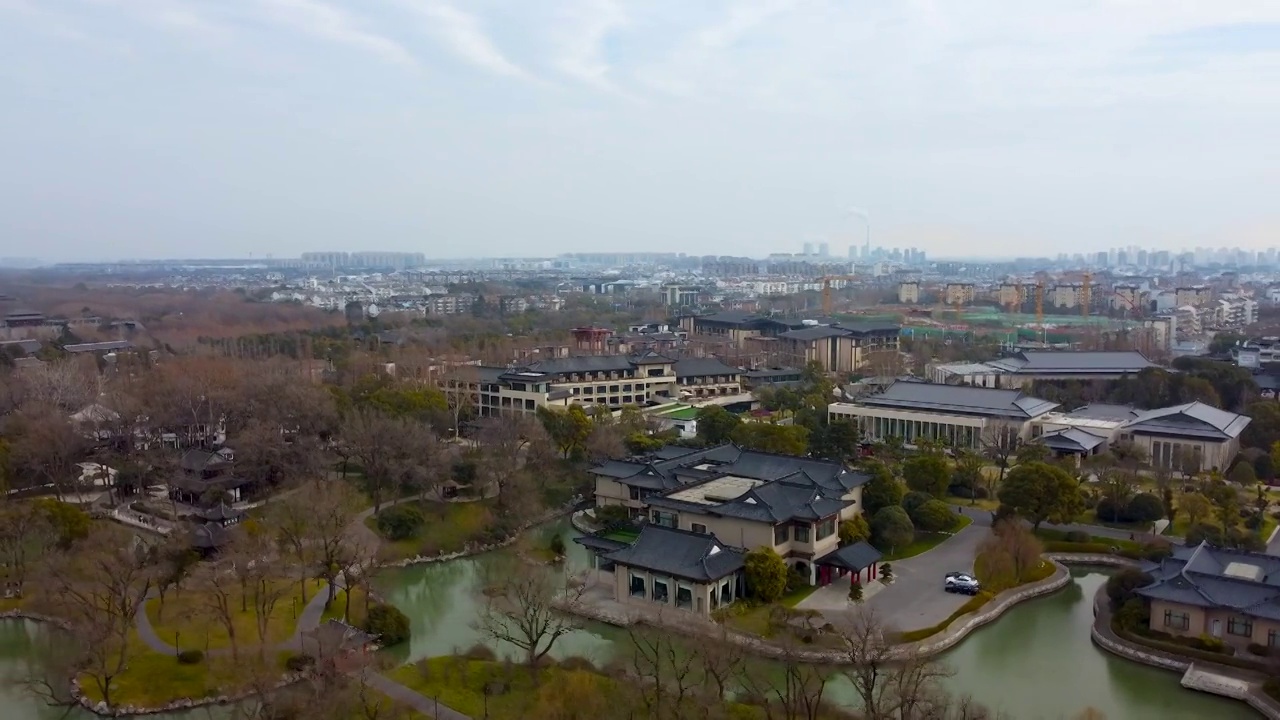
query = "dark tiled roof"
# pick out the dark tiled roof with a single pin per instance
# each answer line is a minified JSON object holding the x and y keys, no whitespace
{"x":1104,"y":411}
{"x":729,"y":317}
{"x":599,"y":543}
{"x":691,"y":367}
{"x":1031,"y":362}
{"x":581,"y":364}
{"x":764,"y":373}
{"x":679,"y":553}
{"x":853,"y":557}
{"x":98,"y":346}
{"x":959,"y":399}
{"x":201,"y":460}
{"x":1191,"y":420}
{"x":1210,"y":577}
{"x":781,"y":501}
{"x":219,"y":512}
{"x":209,"y":536}
{"x":817,"y":332}
{"x":869,"y":328}
{"x":1071,"y":440}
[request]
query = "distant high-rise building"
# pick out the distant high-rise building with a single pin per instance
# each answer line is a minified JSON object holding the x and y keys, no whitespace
{"x":1102,"y":259}
{"x":808,"y":248}
{"x":1142,"y":258}
{"x":853,"y":252}
{"x":824,"y":249}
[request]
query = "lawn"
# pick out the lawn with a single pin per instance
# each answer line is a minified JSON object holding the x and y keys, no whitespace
{"x":337,"y":611}
{"x":153,"y":679}
{"x":926,"y":541}
{"x":449,"y":527}
{"x":622,"y":535}
{"x":754,"y":618}
{"x":989,"y":504}
{"x":461,"y":684}
{"x":187,"y":622}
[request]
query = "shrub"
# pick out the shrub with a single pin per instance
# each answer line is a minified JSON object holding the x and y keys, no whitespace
{"x":934,"y":516}
{"x":927,"y":474}
{"x":400,"y":522}
{"x":1121,"y":586}
{"x":891,"y":527}
{"x":1144,"y":508}
{"x":191,"y":657}
{"x":613,"y":514}
{"x":1133,"y":614}
{"x":1204,"y":532}
{"x":886,"y":572}
{"x":388,"y":624}
{"x":1078,"y":536}
{"x":855,"y":593}
{"x":855,"y":530}
{"x":579,"y":663}
{"x":1107,"y":510}
{"x":1259,"y":650}
{"x":557,"y":544}
{"x":299,"y":662}
{"x":766,"y":574}
{"x":913,"y":500}
{"x":480,"y":652}
{"x":796,"y":580}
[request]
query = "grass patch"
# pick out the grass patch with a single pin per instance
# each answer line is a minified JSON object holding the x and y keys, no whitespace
{"x":187,"y":622}
{"x":449,"y":528}
{"x":516,"y":693}
{"x":925,"y":542}
{"x":753,"y":617}
{"x":338,"y":609}
{"x":988,"y":504}
{"x":9,"y":604}
{"x":154,"y":679}
{"x":625,"y":536}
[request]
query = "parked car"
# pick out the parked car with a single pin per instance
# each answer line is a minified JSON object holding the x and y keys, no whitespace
{"x":961,"y":583}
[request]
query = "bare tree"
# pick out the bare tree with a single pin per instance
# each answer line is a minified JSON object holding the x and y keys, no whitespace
{"x":99,"y":588}
{"x":458,"y":381}
{"x":47,"y":446}
{"x":1000,"y":444}
{"x":671,"y":674}
{"x":216,"y":588}
{"x":520,"y":607}
{"x":26,"y":539}
{"x":893,"y":687}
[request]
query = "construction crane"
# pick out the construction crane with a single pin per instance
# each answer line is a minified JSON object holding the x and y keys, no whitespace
{"x":826,"y":290}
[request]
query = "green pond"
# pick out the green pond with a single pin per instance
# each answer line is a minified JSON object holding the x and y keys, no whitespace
{"x":1037,"y":661}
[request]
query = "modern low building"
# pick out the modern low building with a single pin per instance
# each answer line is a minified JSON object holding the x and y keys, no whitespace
{"x":836,"y":346}
{"x":1231,"y":595}
{"x":745,"y":498}
{"x":962,"y":416}
{"x":1027,"y":366}
{"x":680,"y":569}
{"x":1170,"y":435}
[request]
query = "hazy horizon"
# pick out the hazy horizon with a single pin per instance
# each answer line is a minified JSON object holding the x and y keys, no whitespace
{"x":175,"y":128}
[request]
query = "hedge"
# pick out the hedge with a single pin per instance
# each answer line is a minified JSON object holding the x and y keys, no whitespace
{"x":1183,"y":650}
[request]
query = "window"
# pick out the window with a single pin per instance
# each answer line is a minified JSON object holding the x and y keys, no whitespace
{"x":802,"y":533}
{"x":779,"y":534}
{"x":1177,"y":621}
{"x":700,"y":528}
{"x":726,"y":593}
{"x":626,"y":387}
{"x":665,"y":519}
{"x":684,"y":597}
{"x":1273,"y":638}
{"x":659,"y":591}
{"x":1240,"y":626}
{"x":635,"y":493}
{"x":826,"y":528}
{"x":613,"y":388}
{"x":585,"y":391}
{"x":637,"y":586}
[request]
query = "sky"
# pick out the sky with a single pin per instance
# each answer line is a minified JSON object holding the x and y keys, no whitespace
{"x":464,"y":128}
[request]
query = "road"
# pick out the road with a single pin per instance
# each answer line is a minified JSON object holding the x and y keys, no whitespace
{"x":916,"y":599}
{"x":983,"y":517}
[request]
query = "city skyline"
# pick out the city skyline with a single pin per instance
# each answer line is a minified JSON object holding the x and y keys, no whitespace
{"x":274,"y":127}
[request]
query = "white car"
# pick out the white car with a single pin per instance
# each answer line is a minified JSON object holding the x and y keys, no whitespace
{"x":961,"y":583}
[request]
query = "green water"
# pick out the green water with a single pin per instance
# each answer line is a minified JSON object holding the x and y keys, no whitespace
{"x":1035,"y":662}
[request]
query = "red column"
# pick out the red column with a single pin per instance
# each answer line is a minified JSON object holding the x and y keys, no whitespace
{"x":871,"y":572}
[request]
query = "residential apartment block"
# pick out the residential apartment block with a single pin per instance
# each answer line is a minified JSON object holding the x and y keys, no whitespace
{"x":909,"y":292}
{"x":836,"y":346}
{"x":955,"y":293}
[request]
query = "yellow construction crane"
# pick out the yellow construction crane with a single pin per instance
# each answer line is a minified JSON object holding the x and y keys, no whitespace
{"x":826,"y":290}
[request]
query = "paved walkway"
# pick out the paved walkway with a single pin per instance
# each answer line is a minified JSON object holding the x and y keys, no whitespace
{"x":984,"y":517}
{"x":412,"y":698}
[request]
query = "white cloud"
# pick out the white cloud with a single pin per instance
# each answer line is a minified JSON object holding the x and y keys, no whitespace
{"x":332,"y":23}
{"x":585,"y":27}
{"x":465,"y":35}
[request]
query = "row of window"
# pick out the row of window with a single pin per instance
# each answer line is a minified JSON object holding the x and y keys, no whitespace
{"x":1238,"y":626}
{"x":659,"y":591}
{"x":801,"y":532}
